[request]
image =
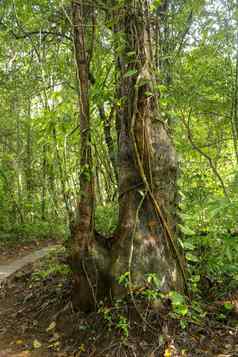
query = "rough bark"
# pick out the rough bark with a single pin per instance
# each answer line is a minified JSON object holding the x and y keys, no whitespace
{"x":143,"y":242}
{"x":147,"y":168}
{"x":88,"y":259}
{"x":85,"y":209}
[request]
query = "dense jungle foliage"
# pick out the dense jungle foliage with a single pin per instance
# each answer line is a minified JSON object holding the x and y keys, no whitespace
{"x":197,"y":71}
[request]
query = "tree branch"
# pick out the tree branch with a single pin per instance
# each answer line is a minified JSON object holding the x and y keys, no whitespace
{"x":202,"y":153}
{"x":38,"y":32}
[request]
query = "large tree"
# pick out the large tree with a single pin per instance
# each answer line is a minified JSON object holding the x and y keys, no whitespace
{"x":145,"y":240}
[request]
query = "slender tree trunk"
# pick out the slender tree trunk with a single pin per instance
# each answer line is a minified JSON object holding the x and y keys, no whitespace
{"x":62,"y":175}
{"x":28,"y":163}
{"x":82,"y":230}
{"x":86,"y":203}
{"x":107,"y":123}
{"x":18,"y":163}
{"x":43,"y":191}
{"x":234,"y":111}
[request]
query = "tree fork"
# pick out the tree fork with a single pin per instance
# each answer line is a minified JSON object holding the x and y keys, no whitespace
{"x":143,"y":242}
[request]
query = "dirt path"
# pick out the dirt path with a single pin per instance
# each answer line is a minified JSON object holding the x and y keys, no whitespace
{"x":8,"y":269}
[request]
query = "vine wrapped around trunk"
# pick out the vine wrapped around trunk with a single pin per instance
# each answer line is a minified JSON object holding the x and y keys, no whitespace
{"x":144,"y":241}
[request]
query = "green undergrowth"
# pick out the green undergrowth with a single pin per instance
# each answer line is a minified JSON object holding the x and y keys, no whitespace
{"x":24,"y":233}
{"x":51,"y":265}
{"x":106,"y":218}
{"x":210,"y":243}
{"x":149,"y":301}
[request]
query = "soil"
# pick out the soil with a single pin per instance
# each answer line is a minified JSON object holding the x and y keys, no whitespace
{"x":37,"y":319}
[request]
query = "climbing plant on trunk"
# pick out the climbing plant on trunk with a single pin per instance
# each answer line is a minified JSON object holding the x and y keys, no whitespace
{"x":144,"y":241}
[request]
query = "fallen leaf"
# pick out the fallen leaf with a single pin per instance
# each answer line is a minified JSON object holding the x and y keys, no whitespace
{"x":54,"y":345}
{"x":51,"y":326}
{"x":167,"y":353}
{"x":82,"y":348}
{"x":19,"y":342}
{"x":55,"y":337}
{"x":24,"y":354}
{"x":36,"y":344}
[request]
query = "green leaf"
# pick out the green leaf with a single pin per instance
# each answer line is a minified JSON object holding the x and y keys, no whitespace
{"x":155,"y":4}
{"x":195,"y":278}
{"x":186,"y":230}
{"x":228,"y":253}
{"x":188,"y":246}
{"x":192,"y":258}
{"x":176,"y":298}
{"x":130,"y":73}
{"x":131,"y":53}
{"x":228,"y":306}
{"x":181,"y":310}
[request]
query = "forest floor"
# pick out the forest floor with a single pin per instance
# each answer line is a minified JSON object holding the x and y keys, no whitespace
{"x":10,"y":251}
{"x":37,"y":319}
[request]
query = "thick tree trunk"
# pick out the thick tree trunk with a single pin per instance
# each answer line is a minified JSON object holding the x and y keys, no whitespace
{"x":147,"y":168}
{"x":144,"y":242}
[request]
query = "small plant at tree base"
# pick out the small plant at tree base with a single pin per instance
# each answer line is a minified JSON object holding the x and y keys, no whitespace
{"x":184,"y":312}
{"x":179,"y":305}
{"x":114,"y":319}
{"x":107,"y":315}
{"x":153,"y":280}
{"x":123,"y":326}
{"x":124,"y":279}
